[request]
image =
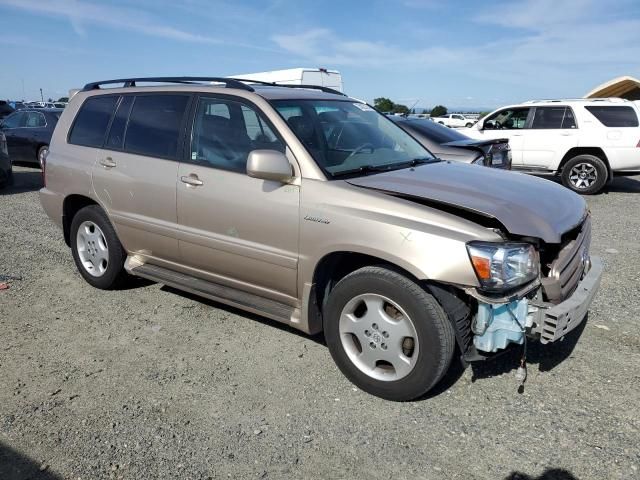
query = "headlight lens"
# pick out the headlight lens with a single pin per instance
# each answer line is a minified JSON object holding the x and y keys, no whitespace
{"x":501,"y":266}
{"x":478,"y":161}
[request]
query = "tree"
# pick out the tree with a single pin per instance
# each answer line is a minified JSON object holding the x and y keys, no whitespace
{"x":383,"y":104}
{"x":438,"y":111}
{"x":397,"y":108}
{"x":63,"y":99}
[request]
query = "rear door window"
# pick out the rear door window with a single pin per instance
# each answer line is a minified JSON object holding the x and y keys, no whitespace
{"x":155,"y":124}
{"x":35,"y":120}
{"x":553,"y":118}
{"x":614,"y":116}
{"x":91,"y":123}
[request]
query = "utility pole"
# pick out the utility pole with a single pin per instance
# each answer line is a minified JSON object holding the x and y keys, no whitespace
{"x":23,"y":95}
{"x":41,"y":96}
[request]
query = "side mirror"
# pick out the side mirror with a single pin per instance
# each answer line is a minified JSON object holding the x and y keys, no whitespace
{"x":269,"y":165}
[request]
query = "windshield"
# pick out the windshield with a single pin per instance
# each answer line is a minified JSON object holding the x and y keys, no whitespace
{"x":344,"y":136}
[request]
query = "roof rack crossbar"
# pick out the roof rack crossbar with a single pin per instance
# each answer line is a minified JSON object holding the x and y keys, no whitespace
{"x":131,"y":82}
{"x":273,"y":84}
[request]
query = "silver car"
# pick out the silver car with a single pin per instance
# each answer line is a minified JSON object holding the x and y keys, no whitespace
{"x":309,"y":207}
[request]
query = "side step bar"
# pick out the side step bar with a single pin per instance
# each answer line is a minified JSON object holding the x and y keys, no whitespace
{"x":220,"y":293}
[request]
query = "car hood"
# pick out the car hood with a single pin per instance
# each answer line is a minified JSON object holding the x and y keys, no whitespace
{"x":473,"y":142}
{"x":524,"y":205}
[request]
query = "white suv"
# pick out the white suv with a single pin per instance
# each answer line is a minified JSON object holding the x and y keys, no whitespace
{"x":583,"y":141}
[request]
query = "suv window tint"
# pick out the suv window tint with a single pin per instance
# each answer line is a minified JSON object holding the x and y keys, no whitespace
{"x":116,"y":132}
{"x":615,"y":116}
{"x":509,"y":119}
{"x":225,"y":131}
{"x":35,"y":119}
{"x":13,"y":121}
{"x":553,"y":117}
{"x":154,"y":125}
{"x":91,"y":124}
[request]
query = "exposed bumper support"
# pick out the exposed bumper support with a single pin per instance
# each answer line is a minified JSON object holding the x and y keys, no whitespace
{"x":556,"y":321}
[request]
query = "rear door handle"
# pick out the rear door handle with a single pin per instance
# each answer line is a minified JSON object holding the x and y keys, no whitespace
{"x":192,"y":180}
{"x":107,"y":162}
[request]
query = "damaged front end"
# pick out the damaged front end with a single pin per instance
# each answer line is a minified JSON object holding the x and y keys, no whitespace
{"x":549,"y":306}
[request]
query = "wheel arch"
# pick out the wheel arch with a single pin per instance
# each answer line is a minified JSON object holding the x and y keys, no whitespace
{"x":595,"y":151}
{"x":71,"y":205}
{"x":334,"y":266}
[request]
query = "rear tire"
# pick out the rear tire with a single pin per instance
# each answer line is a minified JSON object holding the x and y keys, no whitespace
{"x":584,"y":174}
{"x":96,"y":249}
{"x":387,"y":334}
{"x":469,"y":125}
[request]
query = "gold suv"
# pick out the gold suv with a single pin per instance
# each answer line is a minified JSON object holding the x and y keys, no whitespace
{"x":311,"y":208}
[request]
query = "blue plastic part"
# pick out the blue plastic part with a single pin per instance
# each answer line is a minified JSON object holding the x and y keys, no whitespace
{"x":495,"y":327}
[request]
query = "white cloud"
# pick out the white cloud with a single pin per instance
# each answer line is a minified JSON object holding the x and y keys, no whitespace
{"x":552,"y":42}
{"x":81,"y":14}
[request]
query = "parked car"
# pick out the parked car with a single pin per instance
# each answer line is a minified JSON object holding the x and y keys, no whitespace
{"x":454,"y":120}
{"x":585,"y":142}
{"x":450,"y":144}
{"x":28,"y":133}
{"x":6,"y":170}
{"x":315,"y":210}
{"x":5,"y":109}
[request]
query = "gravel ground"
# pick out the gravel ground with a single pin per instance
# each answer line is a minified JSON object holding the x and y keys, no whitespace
{"x":151,"y":383}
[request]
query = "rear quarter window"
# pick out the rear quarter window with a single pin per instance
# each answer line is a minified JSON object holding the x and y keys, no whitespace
{"x":615,"y":116}
{"x":90,"y":125}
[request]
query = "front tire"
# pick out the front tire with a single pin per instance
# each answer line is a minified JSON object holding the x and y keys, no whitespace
{"x":584,"y":174}
{"x":96,"y":249}
{"x":387,"y":334}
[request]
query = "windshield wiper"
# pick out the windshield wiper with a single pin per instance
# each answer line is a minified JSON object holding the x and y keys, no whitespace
{"x":364,"y":169}
{"x":386,"y":167}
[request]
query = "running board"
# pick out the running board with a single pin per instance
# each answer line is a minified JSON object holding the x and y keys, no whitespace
{"x":220,"y":293}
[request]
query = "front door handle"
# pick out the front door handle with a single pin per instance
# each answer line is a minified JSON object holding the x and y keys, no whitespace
{"x":107,"y":162}
{"x":192,"y":180}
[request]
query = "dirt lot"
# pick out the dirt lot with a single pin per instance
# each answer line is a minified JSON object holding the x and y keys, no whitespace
{"x":151,"y":383}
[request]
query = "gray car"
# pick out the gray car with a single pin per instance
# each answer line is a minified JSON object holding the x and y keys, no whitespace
{"x":311,"y":208}
{"x":450,"y":144}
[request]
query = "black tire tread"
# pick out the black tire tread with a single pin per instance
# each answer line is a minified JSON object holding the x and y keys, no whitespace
{"x":603,"y":173}
{"x":114,"y":278}
{"x":445,"y":331}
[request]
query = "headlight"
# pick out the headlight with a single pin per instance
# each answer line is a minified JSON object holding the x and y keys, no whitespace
{"x":502,"y":266}
{"x":478,"y":161}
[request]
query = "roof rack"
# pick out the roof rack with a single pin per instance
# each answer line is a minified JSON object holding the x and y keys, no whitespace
{"x":272,"y":84}
{"x":131,"y":82}
{"x":560,"y":100}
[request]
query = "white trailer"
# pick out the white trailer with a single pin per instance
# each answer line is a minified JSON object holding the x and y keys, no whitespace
{"x":298,"y":76}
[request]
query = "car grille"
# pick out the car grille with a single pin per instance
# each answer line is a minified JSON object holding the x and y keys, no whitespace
{"x":568,"y":267}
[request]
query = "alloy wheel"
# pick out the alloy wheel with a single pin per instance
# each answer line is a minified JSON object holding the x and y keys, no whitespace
{"x":583,"y":175}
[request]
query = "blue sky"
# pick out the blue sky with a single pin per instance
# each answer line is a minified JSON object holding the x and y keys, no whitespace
{"x":458,"y":53}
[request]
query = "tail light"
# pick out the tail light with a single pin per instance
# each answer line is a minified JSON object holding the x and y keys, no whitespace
{"x":638,"y":145}
{"x":3,"y":144}
{"x":44,"y":167}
